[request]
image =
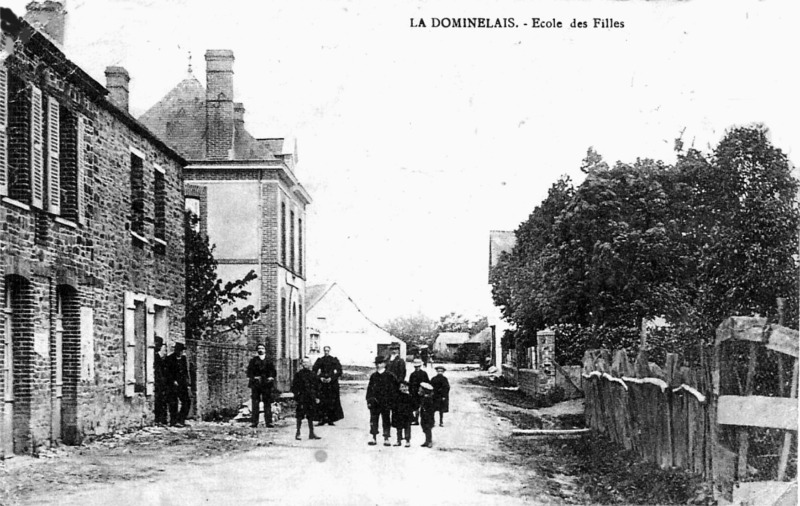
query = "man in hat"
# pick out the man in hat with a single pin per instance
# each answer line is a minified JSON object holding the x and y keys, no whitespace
{"x":441,"y":393}
{"x":261,"y":374}
{"x":381,"y":391}
{"x":160,"y":382}
{"x":305,"y":388}
{"x":328,"y":369}
{"x":177,"y":369}
{"x":427,"y":413}
{"x":395,"y":364}
{"x":417,"y":378}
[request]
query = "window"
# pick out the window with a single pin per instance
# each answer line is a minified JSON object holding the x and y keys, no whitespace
{"x":144,"y":318}
{"x":37,"y":149}
{"x":137,"y":194}
{"x":72,"y":164}
{"x":313,"y":343}
{"x":300,"y":247}
{"x":160,"y":197}
{"x":291,"y":241}
{"x":192,"y":204}
{"x":283,"y":233}
{"x":300,"y":332}
{"x":285,"y":322}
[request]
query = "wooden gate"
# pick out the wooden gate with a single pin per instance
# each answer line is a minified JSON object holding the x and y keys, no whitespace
{"x":742,"y":408}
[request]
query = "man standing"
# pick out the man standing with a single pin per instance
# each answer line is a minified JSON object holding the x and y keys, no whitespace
{"x":417,"y":378}
{"x":177,"y":369}
{"x":160,"y":382}
{"x":305,"y":388}
{"x":441,"y":393}
{"x":395,"y":364}
{"x":381,"y":391}
{"x":328,"y":370}
{"x":261,"y":374}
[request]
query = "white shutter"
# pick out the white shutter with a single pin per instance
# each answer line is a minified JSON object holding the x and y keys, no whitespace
{"x":81,"y":171}
{"x":53,"y":163}
{"x":129,"y":331}
{"x":3,"y":130}
{"x":150,"y":344}
{"x":37,"y":149}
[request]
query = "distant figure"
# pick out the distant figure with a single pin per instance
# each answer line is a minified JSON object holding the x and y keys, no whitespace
{"x":381,"y":392}
{"x":160,"y":382}
{"x":424,"y":355}
{"x":305,"y":388}
{"x":417,"y":378}
{"x":261,"y":374}
{"x":403,"y":414}
{"x":328,"y":369}
{"x":427,"y":416}
{"x":441,"y":393}
{"x":395,"y":364}
{"x":177,"y":369}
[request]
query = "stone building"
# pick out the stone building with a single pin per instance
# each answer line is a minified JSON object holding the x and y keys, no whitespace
{"x":91,"y":245}
{"x":254,"y":203}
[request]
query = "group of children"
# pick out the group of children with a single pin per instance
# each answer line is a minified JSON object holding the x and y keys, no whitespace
{"x":401,"y":404}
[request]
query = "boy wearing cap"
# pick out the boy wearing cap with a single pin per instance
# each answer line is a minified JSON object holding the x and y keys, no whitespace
{"x":381,"y":392}
{"x":402,"y":414}
{"x":417,"y":378}
{"x":441,"y":393}
{"x":427,"y":413}
{"x":305,"y":388}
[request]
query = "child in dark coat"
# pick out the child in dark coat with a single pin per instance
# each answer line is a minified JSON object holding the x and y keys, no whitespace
{"x":403,"y":414}
{"x":427,"y":418}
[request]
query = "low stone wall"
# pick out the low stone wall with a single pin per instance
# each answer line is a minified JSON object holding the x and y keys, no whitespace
{"x":220,"y":376}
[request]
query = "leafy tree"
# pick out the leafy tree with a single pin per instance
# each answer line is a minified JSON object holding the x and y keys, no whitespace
{"x":453,"y":322}
{"x":206,"y":296}
{"x":413,"y":329}
{"x":713,"y":236}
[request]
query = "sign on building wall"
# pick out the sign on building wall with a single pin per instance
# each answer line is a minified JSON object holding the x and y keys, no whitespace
{"x":87,"y":344}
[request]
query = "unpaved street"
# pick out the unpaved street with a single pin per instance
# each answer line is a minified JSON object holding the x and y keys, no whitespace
{"x":464,"y":467}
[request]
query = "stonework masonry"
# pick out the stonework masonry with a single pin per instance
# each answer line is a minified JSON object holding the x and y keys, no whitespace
{"x":65,"y":272}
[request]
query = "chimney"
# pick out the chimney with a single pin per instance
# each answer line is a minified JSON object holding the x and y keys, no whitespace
{"x":238,"y":113}
{"x":219,"y":104}
{"x":117,"y":80}
{"x":48,"y":17}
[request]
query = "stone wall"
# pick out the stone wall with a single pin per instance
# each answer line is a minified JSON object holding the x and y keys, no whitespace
{"x":85,"y":249}
{"x":221,"y":377}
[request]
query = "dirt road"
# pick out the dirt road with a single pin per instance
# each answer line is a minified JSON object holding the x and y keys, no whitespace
{"x":465,"y":466}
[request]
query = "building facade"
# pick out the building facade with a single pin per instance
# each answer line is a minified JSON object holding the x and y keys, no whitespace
{"x":255,"y":205}
{"x":335,"y":320}
{"x":91,"y":248}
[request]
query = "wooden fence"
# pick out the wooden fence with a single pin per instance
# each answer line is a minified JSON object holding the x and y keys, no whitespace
{"x":660,"y":413}
{"x":704,"y":419}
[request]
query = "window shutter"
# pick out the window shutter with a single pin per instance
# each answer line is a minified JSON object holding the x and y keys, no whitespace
{"x":37,"y":149}
{"x":150,"y":345}
{"x":53,"y":165}
{"x":81,"y":173}
{"x":3,"y":130}
{"x":129,"y":331}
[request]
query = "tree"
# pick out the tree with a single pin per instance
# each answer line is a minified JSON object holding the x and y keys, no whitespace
{"x":744,"y":231}
{"x":453,"y":322}
{"x":206,"y":297}
{"x":414,"y":329}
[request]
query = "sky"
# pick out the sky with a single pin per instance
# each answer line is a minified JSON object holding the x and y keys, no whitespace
{"x":416,"y":142}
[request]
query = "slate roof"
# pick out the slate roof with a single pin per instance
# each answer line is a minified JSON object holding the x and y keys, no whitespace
{"x":180,"y":119}
{"x":484,"y":336}
{"x":452,"y":338}
{"x":314,"y":294}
